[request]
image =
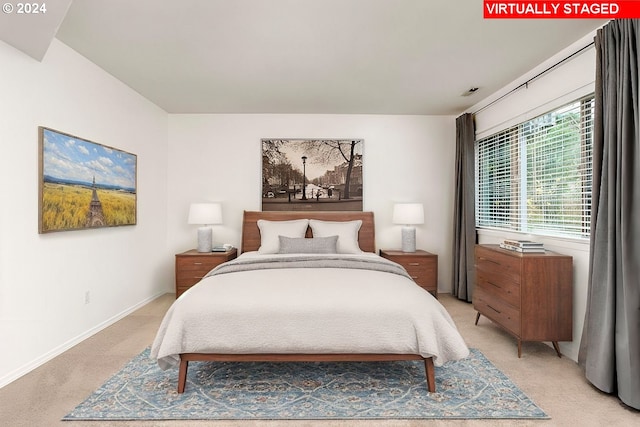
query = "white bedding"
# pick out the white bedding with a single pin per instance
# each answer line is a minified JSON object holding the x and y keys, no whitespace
{"x":307,"y":310}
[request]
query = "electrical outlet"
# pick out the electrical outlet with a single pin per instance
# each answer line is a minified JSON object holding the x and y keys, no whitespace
{"x":87,"y":297}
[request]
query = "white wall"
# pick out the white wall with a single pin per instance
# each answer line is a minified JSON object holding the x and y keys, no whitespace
{"x":568,"y":82}
{"x":182,"y":159}
{"x":406,"y":159}
{"x":43,"y":278}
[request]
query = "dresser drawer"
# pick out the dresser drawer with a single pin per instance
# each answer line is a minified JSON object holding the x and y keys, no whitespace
{"x":497,"y":310}
{"x":500,"y":263}
{"x":491,"y":270}
{"x":500,"y":286}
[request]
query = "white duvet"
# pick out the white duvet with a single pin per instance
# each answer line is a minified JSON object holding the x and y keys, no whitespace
{"x":307,"y":310}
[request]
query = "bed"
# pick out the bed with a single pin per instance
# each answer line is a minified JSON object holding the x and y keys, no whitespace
{"x":307,"y":286}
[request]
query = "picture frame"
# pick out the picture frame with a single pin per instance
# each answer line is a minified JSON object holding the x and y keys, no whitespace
{"x":83,"y":184}
{"x":312,"y":174}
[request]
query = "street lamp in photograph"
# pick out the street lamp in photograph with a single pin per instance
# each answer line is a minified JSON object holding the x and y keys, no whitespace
{"x":304,"y":177}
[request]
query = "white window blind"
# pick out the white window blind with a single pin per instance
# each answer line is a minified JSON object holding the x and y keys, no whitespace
{"x":535,"y":177}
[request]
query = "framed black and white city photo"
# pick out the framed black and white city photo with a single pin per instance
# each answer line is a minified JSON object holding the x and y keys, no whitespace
{"x":312,"y":174}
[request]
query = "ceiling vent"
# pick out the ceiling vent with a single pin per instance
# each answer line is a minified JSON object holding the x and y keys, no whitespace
{"x":471,"y":91}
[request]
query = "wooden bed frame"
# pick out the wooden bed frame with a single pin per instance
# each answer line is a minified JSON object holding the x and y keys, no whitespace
{"x":251,"y":242}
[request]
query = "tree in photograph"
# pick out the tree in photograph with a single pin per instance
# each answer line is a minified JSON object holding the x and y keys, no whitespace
{"x":274,"y":163}
{"x":327,"y":152}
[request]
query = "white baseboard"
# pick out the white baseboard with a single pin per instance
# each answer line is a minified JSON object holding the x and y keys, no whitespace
{"x":25,"y":369}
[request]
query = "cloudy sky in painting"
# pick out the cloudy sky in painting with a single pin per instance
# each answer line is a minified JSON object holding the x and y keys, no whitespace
{"x":66,"y":157}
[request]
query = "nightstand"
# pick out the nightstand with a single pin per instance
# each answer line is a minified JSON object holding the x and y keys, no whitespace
{"x":421,"y":265}
{"x":192,"y":266}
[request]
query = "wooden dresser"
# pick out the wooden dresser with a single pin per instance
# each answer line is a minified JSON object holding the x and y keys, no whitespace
{"x":191,"y":266}
{"x":529,"y":295}
{"x":422,"y":266}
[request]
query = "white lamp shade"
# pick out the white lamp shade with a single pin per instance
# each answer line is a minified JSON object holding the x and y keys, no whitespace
{"x":408,"y":213}
{"x":205,"y":213}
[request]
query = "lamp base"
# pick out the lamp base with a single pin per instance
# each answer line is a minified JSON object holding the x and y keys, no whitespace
{"x":205,"y":239}
{"x":408,"y":239}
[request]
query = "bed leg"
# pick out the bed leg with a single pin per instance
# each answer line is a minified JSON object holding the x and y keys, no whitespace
{"x":182,"y":375}
{"x":431,"y":376}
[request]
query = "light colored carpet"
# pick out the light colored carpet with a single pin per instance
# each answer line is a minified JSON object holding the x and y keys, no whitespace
{"x":45,"y":395}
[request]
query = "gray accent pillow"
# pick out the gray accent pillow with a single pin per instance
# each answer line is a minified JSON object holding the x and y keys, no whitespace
{"x":315,"y":245}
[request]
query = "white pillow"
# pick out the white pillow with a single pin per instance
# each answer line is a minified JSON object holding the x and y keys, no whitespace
{"x":270,"y":230}
{"x":347,"y":232}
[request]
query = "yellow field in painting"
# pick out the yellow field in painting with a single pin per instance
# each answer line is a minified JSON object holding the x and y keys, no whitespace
{"x":65,"y":207}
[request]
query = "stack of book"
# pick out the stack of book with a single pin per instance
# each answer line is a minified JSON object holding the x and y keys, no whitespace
{"x":524,"y":246}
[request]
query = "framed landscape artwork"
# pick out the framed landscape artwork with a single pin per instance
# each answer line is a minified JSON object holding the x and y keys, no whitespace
{"x":83,"y":184}
{"x":312,"y":174}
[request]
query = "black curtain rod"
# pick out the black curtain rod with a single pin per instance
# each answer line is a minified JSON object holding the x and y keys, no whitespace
{"x":525,"y":84}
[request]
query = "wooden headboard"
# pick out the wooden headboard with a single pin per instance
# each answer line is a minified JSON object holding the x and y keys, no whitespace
{"x":251,"y":232}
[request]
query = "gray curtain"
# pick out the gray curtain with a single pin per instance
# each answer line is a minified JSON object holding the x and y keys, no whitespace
{"x":610,"y":346}
{"x":464,"y":222}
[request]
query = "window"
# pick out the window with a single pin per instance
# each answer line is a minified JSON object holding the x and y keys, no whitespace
{"x":536,"y":177}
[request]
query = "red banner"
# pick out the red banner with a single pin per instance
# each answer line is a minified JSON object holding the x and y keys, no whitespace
{"x":561,"y":9}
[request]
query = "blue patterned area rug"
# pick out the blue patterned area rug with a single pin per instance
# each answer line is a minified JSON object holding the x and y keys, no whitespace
{"x":467,"y":389}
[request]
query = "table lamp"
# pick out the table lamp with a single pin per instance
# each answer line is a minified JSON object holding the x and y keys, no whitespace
{"x":408,"y":214}
{"x":205,"y":214}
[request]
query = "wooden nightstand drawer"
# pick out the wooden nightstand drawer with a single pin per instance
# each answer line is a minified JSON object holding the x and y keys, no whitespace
{"x":181,"y":289}
{"x":189,"y":278}
{"x":422,"y":266}
{"x":197,"y":263}
{"x":422,"y":275}
{"x":192,"y":266}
